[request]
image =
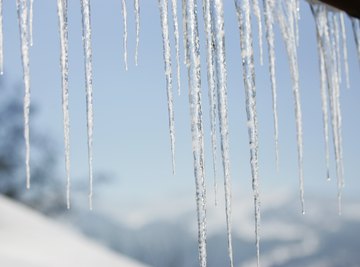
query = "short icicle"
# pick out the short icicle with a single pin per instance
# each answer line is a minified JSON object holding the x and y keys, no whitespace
{"x":62,"y":14}
{"x":31,"y":16}
{"x":344,"y":48}
{"x":22,"y":12}
{"x":1,"y":39}
{"x":137,"y":29}
{"x":223,"y":116}
{"x":177,"y":42}
{"x":197,"y":127}
{"x":269,"y":23}
{"x":287,"y":19}
{"x":210,"y":59}
{"x":125,"y":34}
{"x":257,"y":13}
{"x":356,"y":31}
{"x":163,"y":7}
{"x":86,"y":27}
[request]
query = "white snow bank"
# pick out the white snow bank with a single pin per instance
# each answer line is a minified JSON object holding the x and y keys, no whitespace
{"x":29,"y":239}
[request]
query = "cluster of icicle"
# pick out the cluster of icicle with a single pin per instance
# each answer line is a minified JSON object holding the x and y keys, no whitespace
{"x":331,"y":41}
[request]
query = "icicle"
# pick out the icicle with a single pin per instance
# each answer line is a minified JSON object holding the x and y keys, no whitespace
{"x":323,"y":87}
{"x":1,"y":40}
{"x":344,"y":47}
{"x":269,"y":21}
{"x":286,"y":23}
{"x":210,"y":53}
{"x":337,"y":45}
{"x":31,"y":15}
{"x":124,"y":13}
{"x":185,"y":34}
{"x":247,"y":55}
{"x":326,"y":35}
{"x":163,"y":6}
{"x":335,"y":93}
{"x":223,"y":115}
{"x":137,"y":20}
{"x":176,"y":35}
{"x":22,"y":13}
{"x":62,"y":14}
{"x":324,"y":107}
{"x":197,"y":127}
{"x":257,"y":13}
{"x":356,"y":30}
{"x":85,"y":10}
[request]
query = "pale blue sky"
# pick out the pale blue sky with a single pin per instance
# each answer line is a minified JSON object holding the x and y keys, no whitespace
{"x":131,"y":138}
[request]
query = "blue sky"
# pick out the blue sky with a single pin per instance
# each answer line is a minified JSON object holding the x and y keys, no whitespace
{"x":131,"y":139}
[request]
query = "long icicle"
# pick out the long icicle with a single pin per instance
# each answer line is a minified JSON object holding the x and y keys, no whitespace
{"x":22,"y":12}
{"x":257,"y":13}
{"x":344,"y":47}
{"x":137,"y":29}
{"x":210,"y":54}
{"x":163,"y":7}
{"x":177,"y":44}
{"x":247,"y":54}
{"x":327,"y":46}
{"x":31,"y":16}
{"x":86,"y":27}
{"x":197,"y":128}
{"x":335,"y":94}
{"x":63,"y":30}
{"x":324,"y":106}
{"x":223,"y":116}
{"x":287,"y":24}
{"x":1,"y":40}
{"x":125,"y":34}
{"x":269,"y":22}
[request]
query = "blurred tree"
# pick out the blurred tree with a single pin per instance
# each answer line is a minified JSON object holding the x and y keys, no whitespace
{"x":46,"y":194}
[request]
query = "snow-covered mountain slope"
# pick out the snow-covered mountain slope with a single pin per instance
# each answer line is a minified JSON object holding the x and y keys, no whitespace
{"x":30,"y":239}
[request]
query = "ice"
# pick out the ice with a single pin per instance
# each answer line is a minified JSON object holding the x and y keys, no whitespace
{"x":344,"y":47}
{"x":287,"y":20}
{"x":86,"y":27}
{"x":324,"y":106}
{"x":223,"y":115}
{"x":247,"y":54}
{"x":137,"y":29}
{"x":269,"y":22}
{"x":197,"y":126}
{"x":1,"y":39}
{"x":185,"y":33}
{"x":177,"y":44}
{"x":22,"y":12}
{"x":210,"y":54}
{"x":163,"y":7}
{"x":31,"y":16}
{"x":62,"y":14}
{"x":257,"y":13}
{"x":326,"y":33}
{"x":124,"y":14}
{"x":356,"y":30}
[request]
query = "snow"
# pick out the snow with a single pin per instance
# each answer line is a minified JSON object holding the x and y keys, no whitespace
{"x":32,"y":240}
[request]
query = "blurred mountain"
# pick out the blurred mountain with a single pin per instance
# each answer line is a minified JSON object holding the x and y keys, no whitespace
{"x":319,"y":238}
